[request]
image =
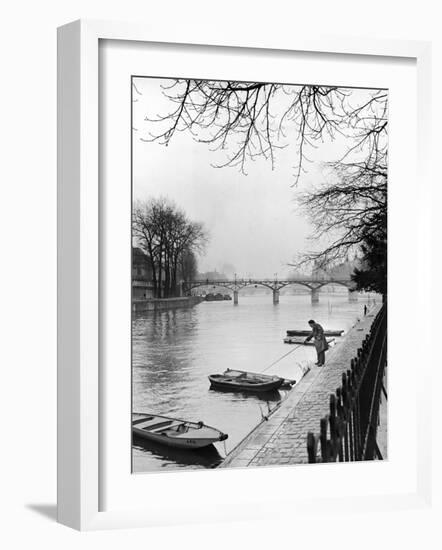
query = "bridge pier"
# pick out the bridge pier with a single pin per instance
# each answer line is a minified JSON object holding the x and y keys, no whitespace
{"x":315,"y":295}
{"x":352,"y":295}
{"x":275,"y":296}
{"x":235,"y":297}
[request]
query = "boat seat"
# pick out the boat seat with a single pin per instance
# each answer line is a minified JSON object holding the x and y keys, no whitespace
{"x":176,"y":430}
{"x":157,"y":425}
{"x":162,"y":427}
{"x":141,"y":420}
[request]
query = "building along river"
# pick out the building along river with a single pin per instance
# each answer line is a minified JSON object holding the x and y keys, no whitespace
{"x":175,"y":350}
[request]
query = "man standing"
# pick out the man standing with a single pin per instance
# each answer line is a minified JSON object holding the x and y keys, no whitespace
{"x":321,"y":344}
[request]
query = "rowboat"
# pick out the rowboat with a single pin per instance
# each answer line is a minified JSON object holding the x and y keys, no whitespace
{"x":301,"y":341}
{"x":286,"y":382}
{"x":175,"y":432}
{"x":238,"y":380}
{"x":308,"y":332}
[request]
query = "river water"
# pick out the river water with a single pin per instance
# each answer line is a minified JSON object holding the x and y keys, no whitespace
{"x":174,"y":351}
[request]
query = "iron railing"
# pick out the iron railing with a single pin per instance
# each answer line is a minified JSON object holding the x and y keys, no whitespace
{"x":348,"y":432}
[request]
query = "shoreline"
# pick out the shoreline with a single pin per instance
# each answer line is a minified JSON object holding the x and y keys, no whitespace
{"x":161,"y":304}
{"x":282,"y":439}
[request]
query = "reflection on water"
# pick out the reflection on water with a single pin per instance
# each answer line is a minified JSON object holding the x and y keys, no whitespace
{"x":174,"y":352}
{"x":208,"y":457}
{"x":273,"y":396}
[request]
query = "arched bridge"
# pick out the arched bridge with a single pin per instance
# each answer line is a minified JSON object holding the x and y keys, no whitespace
{"x":235,"y":285}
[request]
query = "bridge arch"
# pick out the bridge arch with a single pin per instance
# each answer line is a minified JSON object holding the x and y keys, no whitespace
{"x":211,"y":284}
{"x":341,"y":283}
{"x":300,"y":283}
{"x":255,"y":284}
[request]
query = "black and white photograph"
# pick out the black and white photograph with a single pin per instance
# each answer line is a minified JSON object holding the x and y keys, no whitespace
{"x":220,"y":292}
{"x":259,"y":273}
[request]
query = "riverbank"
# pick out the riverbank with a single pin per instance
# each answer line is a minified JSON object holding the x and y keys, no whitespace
{"x":282,"y":438}
{"x":161,"y":304}
{"x":174,"y":352}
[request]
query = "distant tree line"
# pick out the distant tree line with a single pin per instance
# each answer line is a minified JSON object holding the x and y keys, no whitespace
{"x":170,"y":241}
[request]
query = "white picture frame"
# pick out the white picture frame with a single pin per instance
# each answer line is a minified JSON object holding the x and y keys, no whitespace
{"x":79,"y":292}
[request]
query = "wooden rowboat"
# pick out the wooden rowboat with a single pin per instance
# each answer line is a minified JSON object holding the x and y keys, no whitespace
{"x":175,"y":432}
{"x":286,"y":382}
{"x":308,"y":332}
{"x":238,"y":380}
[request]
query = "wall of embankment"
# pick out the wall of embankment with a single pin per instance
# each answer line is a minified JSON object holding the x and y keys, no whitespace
{"x":282,"y":439}
{"x":160,"y":304}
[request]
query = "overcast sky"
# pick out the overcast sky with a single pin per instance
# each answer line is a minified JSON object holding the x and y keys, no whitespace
{"x":253,"y":220}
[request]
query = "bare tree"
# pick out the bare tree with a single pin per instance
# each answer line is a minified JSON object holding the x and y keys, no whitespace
{"x":144,"y":231}
{"x":165,"y":234}
{"x":349,"y":207}
{"x":188,"y":268}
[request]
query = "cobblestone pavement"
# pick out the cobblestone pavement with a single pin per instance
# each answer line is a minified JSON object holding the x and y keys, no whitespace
{"x":282,"y":439}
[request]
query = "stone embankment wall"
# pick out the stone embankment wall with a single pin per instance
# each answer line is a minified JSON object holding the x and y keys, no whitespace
{"x":282,"y":439}
{"x":160,"y":304}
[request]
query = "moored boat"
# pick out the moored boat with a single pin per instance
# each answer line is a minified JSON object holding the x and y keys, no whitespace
{"x":286,"y":382}
{"x":238,"y":380}
{"x":308,"y":332}
{"x":300,"y":340}
{"x":175,"y":432}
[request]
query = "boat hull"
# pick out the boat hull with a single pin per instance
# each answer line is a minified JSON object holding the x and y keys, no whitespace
{"x":308,"y":332}
{"x":189,"y":443}
{"x":287,"y":383}
{"x":243,"y":386}
{"x":188,"y":440}
{"x":301,"y":342}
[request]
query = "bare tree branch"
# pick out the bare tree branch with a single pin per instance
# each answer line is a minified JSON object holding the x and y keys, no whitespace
{"x":248,"y":120}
